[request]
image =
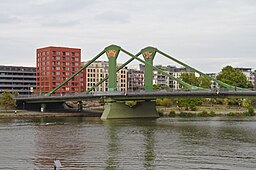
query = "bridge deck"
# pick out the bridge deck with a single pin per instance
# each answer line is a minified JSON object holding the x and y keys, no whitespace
{"x":121,"y":96}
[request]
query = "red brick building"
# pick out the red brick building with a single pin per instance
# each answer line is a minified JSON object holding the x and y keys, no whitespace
{"x":56,"y":64}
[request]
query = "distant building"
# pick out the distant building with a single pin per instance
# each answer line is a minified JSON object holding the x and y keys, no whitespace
{"x":135,"y":80}
{"x":214,"y":85}
{"x":56,"y":64}
{"x":18,"y":79}
{"x":165,"y":81}
{"x":98,"y":70}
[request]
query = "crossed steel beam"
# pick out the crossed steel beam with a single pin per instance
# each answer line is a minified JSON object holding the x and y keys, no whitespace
{"x":107,"y":50}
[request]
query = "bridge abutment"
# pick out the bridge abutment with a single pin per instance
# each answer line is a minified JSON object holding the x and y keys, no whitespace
{"x":119,"y":110}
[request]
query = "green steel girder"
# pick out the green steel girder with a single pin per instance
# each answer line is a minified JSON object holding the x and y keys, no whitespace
{"x":227,"y":86}
{"x":166,"y":74}
{"x":76,"y":73}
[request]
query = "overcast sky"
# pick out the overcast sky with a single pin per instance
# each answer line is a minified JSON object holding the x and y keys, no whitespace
{"x":207,"y":34}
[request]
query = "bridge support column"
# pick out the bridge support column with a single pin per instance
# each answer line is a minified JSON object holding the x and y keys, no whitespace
{"x":149,"y":55}
{"x":43,"y":107}
{"x":80,"y":106}
{"x":119,"y":110}
{"x":112,"y":52}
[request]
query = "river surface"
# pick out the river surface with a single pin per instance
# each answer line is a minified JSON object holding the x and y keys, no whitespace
{"x":167,"y":143}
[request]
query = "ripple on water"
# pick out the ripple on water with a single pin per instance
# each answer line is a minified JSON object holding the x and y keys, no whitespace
{"x":168,"y":143}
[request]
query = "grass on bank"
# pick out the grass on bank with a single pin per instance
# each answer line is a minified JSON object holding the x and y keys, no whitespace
{"x":204,"y":113}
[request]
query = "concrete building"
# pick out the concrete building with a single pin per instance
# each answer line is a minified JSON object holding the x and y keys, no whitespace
{"x":165,"y":81}
{"x":18,"y":79}
{"x":135,"y":80}
{"x":97,"y":71}
{"x":56,"y":64}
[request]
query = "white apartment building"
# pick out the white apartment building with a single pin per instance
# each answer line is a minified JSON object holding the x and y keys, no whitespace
{"x":164,"y":80}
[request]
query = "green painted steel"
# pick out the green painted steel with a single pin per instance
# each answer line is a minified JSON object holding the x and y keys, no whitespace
{"x":76,"y":73}
{"x":149,"y":55}
{"x":118,"y":69}
{"x":166,"y":74}
{"x":112,"y":52}
{"x":119,"y":110}
{"x":227,"y":86}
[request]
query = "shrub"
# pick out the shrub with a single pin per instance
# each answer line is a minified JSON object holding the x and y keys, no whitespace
{"x":186,"y":114}
{"x":234,"y":114}
{"x":212,"y":114}
{"x":249,"y":112}
{"x":193,"y":108}
{"x":172,"y":113}
{"x":160,"y":112}
{"x":204,"y":113}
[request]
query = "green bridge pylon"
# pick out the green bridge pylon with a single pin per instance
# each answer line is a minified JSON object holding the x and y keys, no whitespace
{"x":149,"y":55}
{"x":112,"y":52}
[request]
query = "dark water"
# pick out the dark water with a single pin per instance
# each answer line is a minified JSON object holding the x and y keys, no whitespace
{"x":166,"y":143}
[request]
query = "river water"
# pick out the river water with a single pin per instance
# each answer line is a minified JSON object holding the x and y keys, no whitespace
{"x":166,"y":143}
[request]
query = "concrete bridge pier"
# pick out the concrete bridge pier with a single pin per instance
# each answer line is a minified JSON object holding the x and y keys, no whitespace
{"x":119,"y":110}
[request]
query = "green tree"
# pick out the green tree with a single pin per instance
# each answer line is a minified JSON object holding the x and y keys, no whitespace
{"x":189,"y":103}
{"x":204,"y":82}
{"x":191,"y":78}
{"x":6,"y":101}
{"x":234,"y":77}
{"x":156,"y":86}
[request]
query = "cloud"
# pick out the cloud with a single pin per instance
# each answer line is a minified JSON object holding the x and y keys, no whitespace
{"x":206,"y":34}
{"x":60,"y":23}
{"x":8,"y":19}
{"x":113,"y":17}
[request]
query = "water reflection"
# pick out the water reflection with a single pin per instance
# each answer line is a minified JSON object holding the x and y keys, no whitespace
{"x":169,"y":143}
{"x":149,"y":153}
{"x":124,"y":137}
{"x":112,"y":147}
{"x":58,"y":139}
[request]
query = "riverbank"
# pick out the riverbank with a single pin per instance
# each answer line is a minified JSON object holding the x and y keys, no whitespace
{"x":13,"y":114}
{"x":204,"y":111}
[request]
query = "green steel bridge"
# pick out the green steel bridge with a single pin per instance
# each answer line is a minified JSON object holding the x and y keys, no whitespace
{"x":114,"y":100}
